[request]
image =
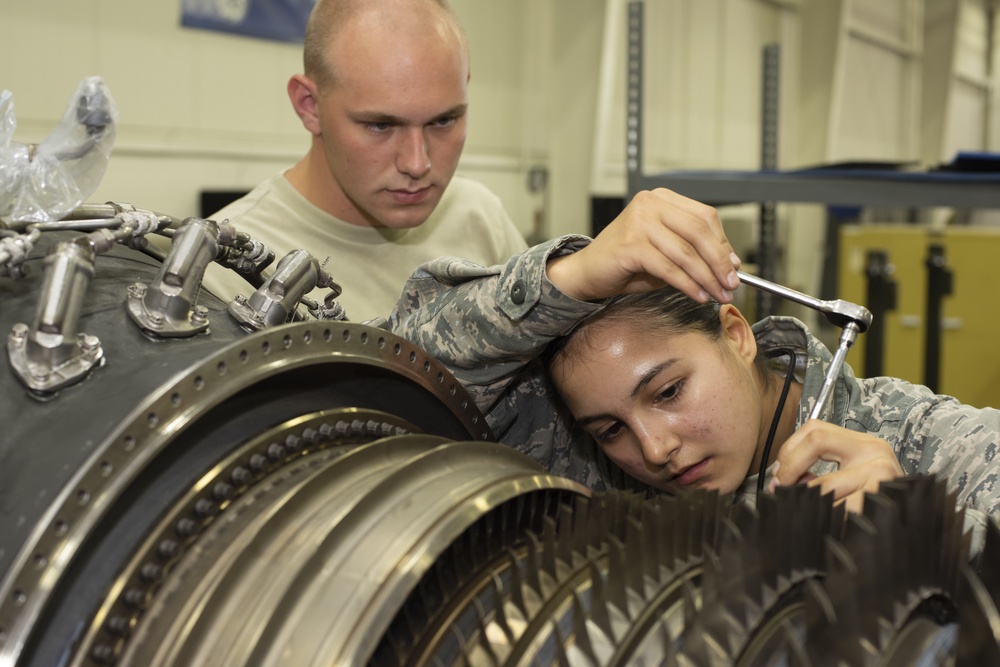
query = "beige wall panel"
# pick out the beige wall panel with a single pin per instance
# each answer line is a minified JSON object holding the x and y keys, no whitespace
{"x":972,"y":47}
{"x":48,"y":48}
{"x":966,"y":129}
{"x":670,"y":81}
{"x":576,"y":57}
{"x":885,"y":17}
{"x":750,"y":25}
{"x":699,"y":98}
{"x":871,"y":106}
{"x":152,"y":183}
{"x":497,"y":48}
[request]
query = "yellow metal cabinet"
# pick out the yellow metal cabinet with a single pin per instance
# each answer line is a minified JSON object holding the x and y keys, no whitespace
{"x":970,"y":336}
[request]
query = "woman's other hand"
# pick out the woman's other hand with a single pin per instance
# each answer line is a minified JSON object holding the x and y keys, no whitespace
{"x":865,"y":461}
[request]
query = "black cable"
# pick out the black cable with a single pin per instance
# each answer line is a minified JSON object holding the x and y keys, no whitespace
{"x":789,"y":374}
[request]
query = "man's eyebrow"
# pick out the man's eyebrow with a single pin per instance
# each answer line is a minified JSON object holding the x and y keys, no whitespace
{"x":646,"y":378}
{"x":378,"y":117}
{"x":457,"y":110}
{"x":390,"y":119}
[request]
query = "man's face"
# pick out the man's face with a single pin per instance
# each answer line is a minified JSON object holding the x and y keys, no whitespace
{"x":393,"y":124}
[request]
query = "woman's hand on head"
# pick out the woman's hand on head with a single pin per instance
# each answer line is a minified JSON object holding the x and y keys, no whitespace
{"x":660,"y":238}
{"x":865,"y":461}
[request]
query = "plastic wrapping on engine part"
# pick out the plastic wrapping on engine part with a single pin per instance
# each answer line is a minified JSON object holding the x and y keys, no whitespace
{"x":44,"y":182}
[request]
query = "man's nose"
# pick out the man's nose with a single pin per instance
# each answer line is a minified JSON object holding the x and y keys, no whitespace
{"x":413,"y":158}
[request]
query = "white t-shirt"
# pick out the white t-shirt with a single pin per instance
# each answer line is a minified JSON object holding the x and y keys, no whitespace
{"x":371,"y":265}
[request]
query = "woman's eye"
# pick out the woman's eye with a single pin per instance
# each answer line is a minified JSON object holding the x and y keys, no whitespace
{"x":610,"y":433}
{"x":671,"y":392}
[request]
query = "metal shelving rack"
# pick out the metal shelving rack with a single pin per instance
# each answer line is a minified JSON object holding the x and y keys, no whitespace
{"x":827,"y":185}
{"x":830,"y":186}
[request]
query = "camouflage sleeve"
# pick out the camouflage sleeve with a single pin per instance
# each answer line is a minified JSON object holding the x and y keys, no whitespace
{"x":957,"y":442}
{"x":487,"y":323}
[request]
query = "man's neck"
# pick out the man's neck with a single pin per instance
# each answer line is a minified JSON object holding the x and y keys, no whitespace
{"x":306,"y":176}
{"x":311,"y":178}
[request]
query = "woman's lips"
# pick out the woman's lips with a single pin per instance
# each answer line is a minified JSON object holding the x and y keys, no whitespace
{"x":691,"y":474}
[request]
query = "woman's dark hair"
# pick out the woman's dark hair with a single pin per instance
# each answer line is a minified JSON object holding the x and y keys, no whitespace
{"x":665,"y":309}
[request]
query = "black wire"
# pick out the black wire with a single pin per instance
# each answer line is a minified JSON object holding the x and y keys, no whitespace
{"x":782,"y":351}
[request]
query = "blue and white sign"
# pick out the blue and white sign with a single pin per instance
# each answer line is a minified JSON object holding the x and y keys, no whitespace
{"x":282,"y":20}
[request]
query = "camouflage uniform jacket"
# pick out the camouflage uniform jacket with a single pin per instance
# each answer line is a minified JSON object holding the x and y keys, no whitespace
{"x":488,"y":325}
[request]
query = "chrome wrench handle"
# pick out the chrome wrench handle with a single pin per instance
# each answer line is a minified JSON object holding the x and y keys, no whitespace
{"x":850,"y":317}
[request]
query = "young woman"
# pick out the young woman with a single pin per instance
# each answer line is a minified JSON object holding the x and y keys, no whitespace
{"x":672,"y":387}
{"x":682,"y":395}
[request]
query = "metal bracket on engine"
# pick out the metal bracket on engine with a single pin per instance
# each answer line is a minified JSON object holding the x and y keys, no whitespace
{"x":51,"y":354}
{"x":167,"y":306}
{"x":274,"y":303}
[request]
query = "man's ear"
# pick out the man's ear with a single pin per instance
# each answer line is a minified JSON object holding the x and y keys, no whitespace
{"x":304,"y":97}
{"x":737,"y":331}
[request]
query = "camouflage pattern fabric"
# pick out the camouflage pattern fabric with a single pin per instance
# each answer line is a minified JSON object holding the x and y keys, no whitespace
{"x":930,"y":433}
{"x":489,"y":324}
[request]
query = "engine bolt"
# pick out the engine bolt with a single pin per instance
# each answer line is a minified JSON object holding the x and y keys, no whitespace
{"x":259,"y":463}
{"x":19,"y":332}
{"x":240,"y":475}
{"x":89,"y":344}
{"x":134,"y":598}
{"x":222,"y":491}
{"x":119,"y":626}
{"x":168,"y":549}
{"x":293,"y":443}
{"x":187,"y":527}
{"x":103,"y":654}
{"x":205,"y":508}
{"x":150,"y":572}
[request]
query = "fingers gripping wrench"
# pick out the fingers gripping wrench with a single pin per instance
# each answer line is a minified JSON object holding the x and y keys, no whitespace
{"x":850,"y":317}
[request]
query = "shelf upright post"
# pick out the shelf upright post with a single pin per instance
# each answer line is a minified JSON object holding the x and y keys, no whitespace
{"x":633,"y":123}
{"x":939,"y":285}
{"x":881,"y":297}
{"x":767,"y":241}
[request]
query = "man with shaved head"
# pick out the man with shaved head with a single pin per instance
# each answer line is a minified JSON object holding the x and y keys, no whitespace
{"x":384,"y":96}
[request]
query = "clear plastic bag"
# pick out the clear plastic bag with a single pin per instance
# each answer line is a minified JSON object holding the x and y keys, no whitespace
{"x":43,"y":182}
